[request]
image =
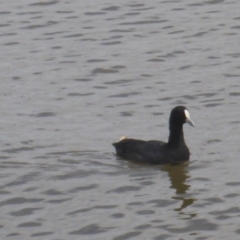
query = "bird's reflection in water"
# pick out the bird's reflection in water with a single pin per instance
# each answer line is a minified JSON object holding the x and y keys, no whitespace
{"x":178,"y":173}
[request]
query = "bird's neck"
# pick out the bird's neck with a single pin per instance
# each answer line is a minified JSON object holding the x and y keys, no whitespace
{"x":176,"y":136}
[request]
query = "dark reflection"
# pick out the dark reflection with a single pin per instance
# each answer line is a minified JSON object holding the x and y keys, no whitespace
{"x":178,"y":174}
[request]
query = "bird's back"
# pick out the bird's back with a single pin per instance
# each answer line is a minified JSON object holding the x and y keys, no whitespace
{"x":141,"y":151}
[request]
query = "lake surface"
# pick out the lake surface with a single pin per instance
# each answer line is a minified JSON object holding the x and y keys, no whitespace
{"x":78,"y":75}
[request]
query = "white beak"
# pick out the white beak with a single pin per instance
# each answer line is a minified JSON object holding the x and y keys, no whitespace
{"x":188,"y":119}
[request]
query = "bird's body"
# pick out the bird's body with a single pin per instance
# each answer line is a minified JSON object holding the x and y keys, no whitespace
{"x":153,"y":151}
{"x":158,"y":152}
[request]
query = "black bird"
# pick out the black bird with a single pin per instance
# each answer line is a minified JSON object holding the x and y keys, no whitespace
{"x":158,"y":152}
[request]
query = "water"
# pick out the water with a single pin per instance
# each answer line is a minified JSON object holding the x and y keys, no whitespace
{"x":78,"y":75}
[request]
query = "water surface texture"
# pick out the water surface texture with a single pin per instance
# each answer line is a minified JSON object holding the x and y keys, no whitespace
{"x":78,"y":75}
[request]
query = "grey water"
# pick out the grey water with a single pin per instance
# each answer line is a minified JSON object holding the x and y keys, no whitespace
{"x":78,"y":75}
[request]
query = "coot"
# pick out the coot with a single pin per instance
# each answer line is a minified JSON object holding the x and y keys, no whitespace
{"x":158,"y":152}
